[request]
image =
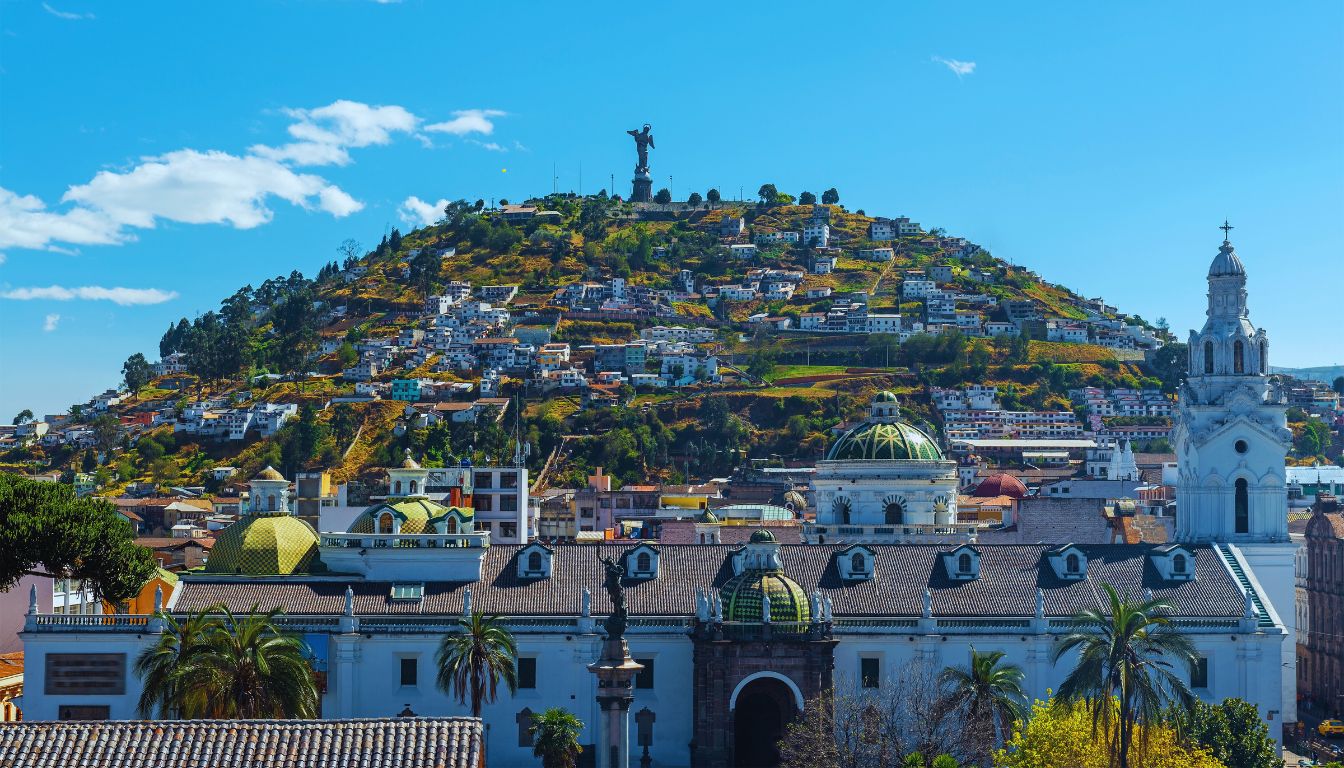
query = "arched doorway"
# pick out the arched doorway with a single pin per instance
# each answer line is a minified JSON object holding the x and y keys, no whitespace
{"x":764,"y":707}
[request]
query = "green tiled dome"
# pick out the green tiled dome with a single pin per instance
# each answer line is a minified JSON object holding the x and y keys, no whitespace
{"x":265,"y":544}
{"x":742,"y":597}
{"x":416,"y":515}
{"x":882,"y":441}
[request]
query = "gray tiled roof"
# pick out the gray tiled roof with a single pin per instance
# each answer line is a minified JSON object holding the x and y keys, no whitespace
{"x":1009,"y":577}
{"x":442,"y":742}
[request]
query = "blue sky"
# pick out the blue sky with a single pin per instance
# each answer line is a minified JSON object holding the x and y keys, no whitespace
{"x":156,"y":156}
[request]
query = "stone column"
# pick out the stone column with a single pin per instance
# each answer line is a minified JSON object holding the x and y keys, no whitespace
{"x":615,"y":692}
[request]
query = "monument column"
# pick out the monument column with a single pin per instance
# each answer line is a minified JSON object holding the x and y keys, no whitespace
{"x":642,"y":190}
{"x":615,"y":672}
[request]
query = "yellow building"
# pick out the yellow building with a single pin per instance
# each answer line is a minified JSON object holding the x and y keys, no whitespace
{"x":11,"y":686}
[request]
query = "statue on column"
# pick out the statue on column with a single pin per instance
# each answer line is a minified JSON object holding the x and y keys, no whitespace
{"x":615,"y":623}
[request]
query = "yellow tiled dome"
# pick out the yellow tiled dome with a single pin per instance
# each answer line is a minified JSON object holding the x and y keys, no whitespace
{"x":266,"y":544}
{"x":415,"y":515}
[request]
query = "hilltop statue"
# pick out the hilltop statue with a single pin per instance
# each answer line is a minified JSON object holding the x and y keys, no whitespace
{"x":643,"y":142}
{"x":642,"y":191}
{"x":616,"y":622}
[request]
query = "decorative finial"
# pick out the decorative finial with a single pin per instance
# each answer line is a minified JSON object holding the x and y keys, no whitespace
{"x":32,"y":600}
{"x":586,"y":607}
{"x":349,"y":601}
{"x":1226,"y":229}
{"x":158,"y":599}
{"x":466,"y":601}
{"x":928,"y":603}
{"x":765,"y":608}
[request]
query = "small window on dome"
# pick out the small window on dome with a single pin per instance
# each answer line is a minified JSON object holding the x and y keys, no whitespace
{"x":856,"y":563}
{"x":385,"y":523}
{"x":1178,"y":564}
{"x":534,"y":561}
{"x":964,"y":562}
{"x":396,"y":488}
{"x":413,"y":488}
{"x":642,"y":563}
{"x":1071,"y":563}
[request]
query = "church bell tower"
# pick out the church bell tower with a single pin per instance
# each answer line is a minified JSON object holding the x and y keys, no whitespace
{"x":1231,"y":440}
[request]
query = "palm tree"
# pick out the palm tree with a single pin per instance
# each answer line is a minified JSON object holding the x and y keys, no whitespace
{"x":1130,"y":654}
{"x":160,"y":665}
{"x":473,"y":660}
{"x":555,"y":738}
{"x":248,"y":668}
{"x":992,"y":691}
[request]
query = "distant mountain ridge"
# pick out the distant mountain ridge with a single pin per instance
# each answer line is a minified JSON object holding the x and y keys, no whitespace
{"x":1326,"y":373}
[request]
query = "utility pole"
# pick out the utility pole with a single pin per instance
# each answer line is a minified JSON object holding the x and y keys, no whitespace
{"x":554,"y":179}
{"x":612,"y":192}
{"x":669,"y":187}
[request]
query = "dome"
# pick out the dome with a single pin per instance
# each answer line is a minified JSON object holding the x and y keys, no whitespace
{"x":875,"y":441}
{"x":742,"y":597}
{"x":708,"y":518}
{"x":269,"y":473}
{"x":1226,"y":263}
{"x":763,"y":536}
{"x":796,"y":499}
{"x":1000,"y":485}
{"x":414,"y":515}
{"x":408,"y":462}
{"x":265,"y":544}
{"x":885,"y":396}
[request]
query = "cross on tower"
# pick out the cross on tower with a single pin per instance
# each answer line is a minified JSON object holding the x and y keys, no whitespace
{"x":1226,"y":228}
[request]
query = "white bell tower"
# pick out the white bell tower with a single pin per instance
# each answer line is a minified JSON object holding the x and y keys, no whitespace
{"x":1231,"y":440}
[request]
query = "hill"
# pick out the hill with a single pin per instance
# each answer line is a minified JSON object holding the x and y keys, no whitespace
{"x":797,"y":309}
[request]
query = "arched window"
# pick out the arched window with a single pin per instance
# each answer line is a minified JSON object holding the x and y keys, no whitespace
{"x":385,"y":523}
{"x":1264,"y":358}
{"x":1208,"y":357}
{"x":964,"y":563}
{"x":1071,"y":563}
{"x":643,"y":562}
{"x":452,"y":525}
{"x":534,"y":561}
{"x":1242,"y":507}
{"x":1238,"y":357}
{"x":857,"y":563}
{"x":894,"y":514}
{"x":270,"y":503}
{"x":413,"y":487}
{"x":1178,"y":564}
{"x":396,"y":488}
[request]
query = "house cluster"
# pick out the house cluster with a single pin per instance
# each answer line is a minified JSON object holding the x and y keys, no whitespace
{"x":1105,"y":403}
{"x":617,"y":295}
{"x":1107,"y":332}
{"x":1315,"y":398}
{"x":214,"y":418}
{"x":767,"y":284}
{"x":974,"y":413}
{"x":851,"y":315}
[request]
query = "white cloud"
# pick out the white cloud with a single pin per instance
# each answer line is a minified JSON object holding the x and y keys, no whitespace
{"x":204,"y":188}
{"x":467,"y":121}
{"x":49,"y":324}
{"x":126,"y":297}
{"x":326,"y":133}
{"x":67,"y":15}
{"x":193,"y":186}
{"x":959,"y":68}
{"x":419,"y":213}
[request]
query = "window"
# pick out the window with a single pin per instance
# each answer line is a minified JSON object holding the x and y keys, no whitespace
{"x":644,"y":679}
{"x":508,"y":503}
{"x":534,"y":561}
{"x":1178,"y":564}
{"x":83,"y":712}
{"x":483,"y":503}
{"x":1199,"y":673}
{"x":527,"y":672}
{"x":413,"y":487}
{"x":1264,"y":358}
{"x":964,"y":562}
{"x":643,"y":563}
{"x":396,"y":488}
{"x":408,"y":591}
{"x":1241,"y":446}
{"x":857,"y":563}
{"x":1242,"y":507}
{"x":1238,"y":357}
{"x":894,"y":514}
{"x":385,"y":523}
{"x":270,"y":503}
{"x":1208,"y":357}
{"x":1071,"y":563}
{"x":482,"y":480}
{"x":409,"y":671}
{"x":870,"y":672}
{"x":508,"y":480}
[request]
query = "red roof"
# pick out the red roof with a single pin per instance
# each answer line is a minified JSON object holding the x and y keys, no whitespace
{"x":1000,"y":485}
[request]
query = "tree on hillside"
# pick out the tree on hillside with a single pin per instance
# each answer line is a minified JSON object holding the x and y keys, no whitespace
{"x":1338,"y":385}
{"x":346,"y":355}
{"x":137,"y":372}
{"x":1168,"y":364}
{"x":713,"y":196}
{"x":425,"y":271}
{"x":46,"y":530}
{"x":106,"y":431}
{"x":24,"y":416}
{"x":663,"y":197}
{"x":768,"y":193}
{"x":351,"y":249}
{"x":830,"y":196}
{"x":807,"y":198}
{"x":695,"y":199}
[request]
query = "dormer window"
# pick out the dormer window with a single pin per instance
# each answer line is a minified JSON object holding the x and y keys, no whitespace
{"x":962,"y":563}
{"x":642,"y":562}
{"x":855,"y":563}
{"x":1173,"y":562}
{"x":387,"y":523}
{"x":407,"y":592}
{"x":1068,"y":562}
{"x":534,"y":562}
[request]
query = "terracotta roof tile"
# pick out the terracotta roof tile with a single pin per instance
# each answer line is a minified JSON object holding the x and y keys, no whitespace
{"x":450,"y":742}
{"x":1010,"y":575}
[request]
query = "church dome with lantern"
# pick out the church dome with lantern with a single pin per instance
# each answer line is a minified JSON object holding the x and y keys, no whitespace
{"x":269,"y":540}
{"x":761,"y":575}
{"x":882,"y":480}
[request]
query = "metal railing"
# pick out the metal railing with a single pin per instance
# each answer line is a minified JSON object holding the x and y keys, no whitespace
{"x":411,"y":540}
